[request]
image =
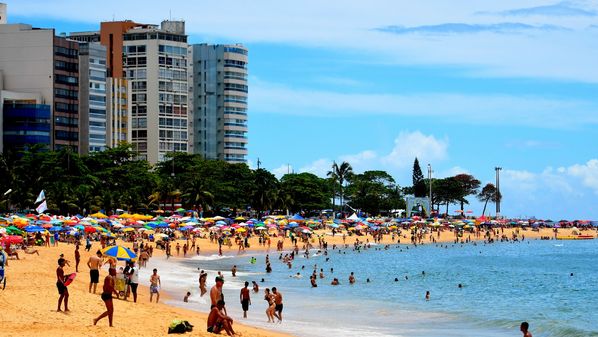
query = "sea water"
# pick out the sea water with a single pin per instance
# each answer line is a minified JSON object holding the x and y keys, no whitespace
{"x":550,"y":284}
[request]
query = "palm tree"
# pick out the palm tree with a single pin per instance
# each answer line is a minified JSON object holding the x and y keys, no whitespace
{"x":489,"y":193}
{"x":341,"y":173}
{"x":196,"y":194}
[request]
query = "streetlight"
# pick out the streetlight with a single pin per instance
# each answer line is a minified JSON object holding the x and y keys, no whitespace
{"x":430,"y":183}
{"x":497,"y":169}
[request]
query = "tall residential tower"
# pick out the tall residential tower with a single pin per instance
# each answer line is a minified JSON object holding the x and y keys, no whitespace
{"x":220,"y":102}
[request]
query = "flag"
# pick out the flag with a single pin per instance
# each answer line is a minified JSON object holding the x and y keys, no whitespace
{"x":42,"y":207}
{"x":41,"y":197}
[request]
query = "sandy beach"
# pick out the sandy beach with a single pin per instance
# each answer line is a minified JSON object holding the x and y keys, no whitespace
{"x":29,"y":303}
{"x":30,"y":299}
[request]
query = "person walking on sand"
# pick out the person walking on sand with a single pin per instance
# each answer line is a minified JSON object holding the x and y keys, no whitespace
{"x":94,"y":264}
{"x":62,"y":289}
{"x":77,"y":258}
{"x":278,"y":304}
{"x":107,"y":291}
{"x":155,"y":285}
{"x":245,"y":299}
{"x":524,"y":329}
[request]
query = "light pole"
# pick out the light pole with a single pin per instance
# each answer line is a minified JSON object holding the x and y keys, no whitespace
{"x":497,"y":169}
{"x":430,"y":183}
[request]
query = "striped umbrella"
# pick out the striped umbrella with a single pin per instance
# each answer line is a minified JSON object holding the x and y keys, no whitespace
{"x":120,"y":253}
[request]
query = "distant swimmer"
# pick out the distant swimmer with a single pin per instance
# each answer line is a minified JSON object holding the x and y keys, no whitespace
{"x":351,"y":278}
{"x":253,"y":260}
{"x":427,"y":295}
{"x":335,"y":282}
{"x":524,"y":329}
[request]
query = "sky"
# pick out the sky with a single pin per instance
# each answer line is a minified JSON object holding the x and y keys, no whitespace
{"x":465,"y":86}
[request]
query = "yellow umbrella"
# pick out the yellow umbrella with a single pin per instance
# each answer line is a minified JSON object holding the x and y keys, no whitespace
{"x":240,"y":230}
{"x":98,"y":215}
{"x":130,"y":229}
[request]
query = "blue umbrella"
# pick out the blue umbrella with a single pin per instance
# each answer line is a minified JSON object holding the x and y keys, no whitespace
{"x":55,"y":229}
{"x":33,"y":229}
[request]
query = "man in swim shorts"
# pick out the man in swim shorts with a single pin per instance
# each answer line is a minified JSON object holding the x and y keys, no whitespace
{"x":94,"y":263}
{"x":278,"y":303}
{"x":217,"y":320}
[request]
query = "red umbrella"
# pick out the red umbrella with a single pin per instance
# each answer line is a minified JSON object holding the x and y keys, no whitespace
{"x":12,"y":239}
{"x":89,"y":229}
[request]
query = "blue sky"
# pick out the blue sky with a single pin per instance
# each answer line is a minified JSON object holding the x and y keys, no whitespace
{"x":462,"y":85}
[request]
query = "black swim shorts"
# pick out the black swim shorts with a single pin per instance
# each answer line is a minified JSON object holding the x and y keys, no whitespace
{"x":278,"y":307}
{"x":245,"y":305}
{"x":94,"y":275}
{"x":61,"y":287}
{"x":106,"y":296}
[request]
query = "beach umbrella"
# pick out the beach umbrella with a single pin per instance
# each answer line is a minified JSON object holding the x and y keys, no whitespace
{"x":119,"y":252}
{"x":128,"y":229}
{"x":55,"y":229}
{"x":89,"y":229}
{"x":240,"y":230}
{"x":33,"y":229}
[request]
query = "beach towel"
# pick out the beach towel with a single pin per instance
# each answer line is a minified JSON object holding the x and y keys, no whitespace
{"x":179,"y":326}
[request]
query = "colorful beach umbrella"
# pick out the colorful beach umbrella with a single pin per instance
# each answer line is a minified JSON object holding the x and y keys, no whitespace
{"x":119,"y":252}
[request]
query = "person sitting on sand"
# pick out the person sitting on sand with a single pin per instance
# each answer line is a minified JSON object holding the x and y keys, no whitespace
{"x":217,"y":320}
{"x":10,"y":252}
{"x":524,"y":329}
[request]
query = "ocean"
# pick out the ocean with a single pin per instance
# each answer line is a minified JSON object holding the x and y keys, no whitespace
{"x":550,"y":284}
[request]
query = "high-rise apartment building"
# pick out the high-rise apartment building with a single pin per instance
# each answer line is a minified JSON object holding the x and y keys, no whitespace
{"x":92,"y":98}
{"x":155,"y":62}
{"x":36,"y":61}
{"x":220,"y":102}
{"x":118,"y":120}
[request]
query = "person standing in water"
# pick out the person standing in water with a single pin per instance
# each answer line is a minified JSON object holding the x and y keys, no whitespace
{"x":524,"y":329}
{"x":245,"y":299}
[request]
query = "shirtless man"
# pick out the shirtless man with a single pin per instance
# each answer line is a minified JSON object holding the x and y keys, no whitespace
{"x":524,"y":329}
{"x":351,"y":278}
{"x":217,"y":320}
{"x":154,"y":284}
{"x":245,"y":299}
{"x":94,"y":264}
{"x":216,"y":293}
{"x":278,"y":303}
{"x":77,"y":258}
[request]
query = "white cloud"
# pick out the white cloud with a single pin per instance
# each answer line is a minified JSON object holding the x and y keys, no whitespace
{"x":467,"y":109}
{"x":282,"y":170}
{"x":409,"y":145}
{"x":351,"y":25}
{"x":588,"y":173}
{"x":319,"y":167}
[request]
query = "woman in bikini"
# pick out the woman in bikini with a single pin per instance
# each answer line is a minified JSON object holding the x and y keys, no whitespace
{"x":269,"y":297}
{"x":107,"y":297}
